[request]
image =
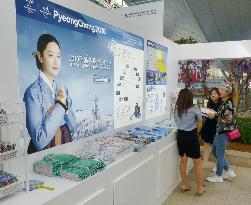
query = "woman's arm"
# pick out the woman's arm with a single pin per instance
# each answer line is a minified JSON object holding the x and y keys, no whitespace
{"x":41,"y":129}
{"x":198,"y":116}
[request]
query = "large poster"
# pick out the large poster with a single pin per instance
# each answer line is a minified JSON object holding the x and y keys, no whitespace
{"x":193,"y":74}
{"x":66,"y":64}
{"x":128,"y":85}
{"x":156,"y":79}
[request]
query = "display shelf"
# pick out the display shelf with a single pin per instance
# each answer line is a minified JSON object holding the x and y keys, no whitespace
{"x":14,"y":141}
{"x":11,"y":188}
{"x":13,"y":154}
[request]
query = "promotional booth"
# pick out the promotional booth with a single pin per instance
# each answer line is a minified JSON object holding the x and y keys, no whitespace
{"x":87,"y":100}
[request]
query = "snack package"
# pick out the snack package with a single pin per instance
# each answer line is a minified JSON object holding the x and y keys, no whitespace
{"x":206,"y":111}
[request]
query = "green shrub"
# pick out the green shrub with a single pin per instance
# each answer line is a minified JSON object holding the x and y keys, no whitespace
{"x":244,"y":126}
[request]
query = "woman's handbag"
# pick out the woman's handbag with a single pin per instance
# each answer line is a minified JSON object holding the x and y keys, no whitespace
{"x":235,"y":134}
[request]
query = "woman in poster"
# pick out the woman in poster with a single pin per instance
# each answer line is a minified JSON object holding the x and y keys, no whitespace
{"x":49,"y":118}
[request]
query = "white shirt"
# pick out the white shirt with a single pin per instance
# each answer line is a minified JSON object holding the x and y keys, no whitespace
{"x":51,"y":85}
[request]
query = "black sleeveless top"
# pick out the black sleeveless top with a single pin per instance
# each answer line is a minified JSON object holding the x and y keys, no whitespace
{"x":209,"y":128}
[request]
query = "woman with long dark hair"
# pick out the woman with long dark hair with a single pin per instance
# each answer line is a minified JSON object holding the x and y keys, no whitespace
{"x":209,"y":128}
{"x":226,"y":117}
{"x":188,"y":120}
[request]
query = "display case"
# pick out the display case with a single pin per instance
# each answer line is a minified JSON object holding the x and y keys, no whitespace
{"x":13,"y":145}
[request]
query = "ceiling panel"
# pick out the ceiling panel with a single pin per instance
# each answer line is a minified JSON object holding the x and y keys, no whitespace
{"x":205,"y":20}
{"x":179,"y":22}
{"x":223,"y":20}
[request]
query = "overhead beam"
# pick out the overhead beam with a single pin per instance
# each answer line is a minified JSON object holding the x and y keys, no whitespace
{"x":216,"y":50}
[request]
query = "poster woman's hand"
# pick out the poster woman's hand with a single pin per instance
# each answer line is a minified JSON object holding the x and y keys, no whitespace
{"x":60,"y":96}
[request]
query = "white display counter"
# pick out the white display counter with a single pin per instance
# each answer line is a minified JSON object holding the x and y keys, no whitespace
{"x":144,"y":178}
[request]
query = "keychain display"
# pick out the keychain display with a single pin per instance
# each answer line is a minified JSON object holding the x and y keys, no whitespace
{"x":106,"y":148}
{"x":100,"y":151}
{"x":82,"y":169}
{"x":7,"y":146}
{"x":167,"y":123}
{"x":143,"y":135}
{"x":38,"y":184}
{"x":52,"y":164}
{"x":68,"y":166}
{"x":7,"y":179}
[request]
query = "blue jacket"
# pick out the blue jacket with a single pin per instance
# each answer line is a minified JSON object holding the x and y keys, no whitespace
{"x":38,"y":99}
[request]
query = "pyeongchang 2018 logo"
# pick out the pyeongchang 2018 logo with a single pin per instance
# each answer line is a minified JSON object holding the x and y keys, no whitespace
{"x":29,"y":6}
{"x":151,"y":44}
{"x":45,"y":12}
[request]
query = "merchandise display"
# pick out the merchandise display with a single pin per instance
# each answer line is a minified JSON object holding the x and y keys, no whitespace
{"x":143,"y":135}
{"x":52,"y":164}
{"x":9,"y":184}
{"x":37,"y":184}
{"x":138,"y":147}
{"x":7,"y":179}
{"x":41,"y":186}
{"x":82,"y":169}
{"x":129,"y":135}
{"x":68,"y":166}
{"x":153,"y":134}
{"x":167,"y":123}
{"x":7,"y":146}
{"x":106,"y":148}
{"x":97,"y":153}
{"x":8,"y":150}
{"x":33,"y":184}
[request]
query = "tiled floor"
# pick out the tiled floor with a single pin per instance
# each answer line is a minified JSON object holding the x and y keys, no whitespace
{"x":235,"y":192}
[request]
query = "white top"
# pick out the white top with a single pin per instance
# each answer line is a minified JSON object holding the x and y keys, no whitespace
{"x":44,"y":77}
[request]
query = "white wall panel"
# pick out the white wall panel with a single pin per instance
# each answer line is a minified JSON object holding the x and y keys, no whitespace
{"x":93,"y":191}
{"x":150,"y":12}
{"x":138,"y":186}
{"x":168,"y":166}
{"x":97,"y":198}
